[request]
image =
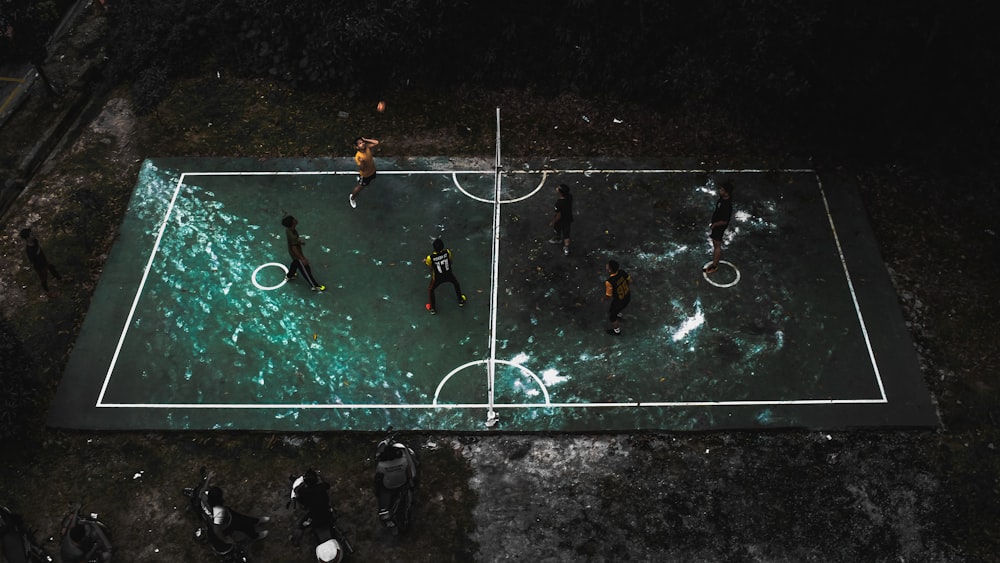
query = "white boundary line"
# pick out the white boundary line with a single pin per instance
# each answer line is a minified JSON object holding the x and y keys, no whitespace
{"x":180,"y":182}
{"x":486,"y":172}
{"x":850,"y":286}
{"x":480,"y":406}
{"x":138,"y":291}
{"x":491,"y":365}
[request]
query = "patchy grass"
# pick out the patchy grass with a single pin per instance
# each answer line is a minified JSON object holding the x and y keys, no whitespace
{"x":211,"y":115}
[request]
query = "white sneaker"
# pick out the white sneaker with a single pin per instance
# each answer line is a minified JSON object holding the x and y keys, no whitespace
{"x":354,"y":204}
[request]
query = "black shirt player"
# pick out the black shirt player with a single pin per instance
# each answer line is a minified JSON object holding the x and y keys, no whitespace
{"x":440,"y":263}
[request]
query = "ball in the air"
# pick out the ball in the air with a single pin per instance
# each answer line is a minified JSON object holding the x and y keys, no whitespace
{"x":380,"y":107}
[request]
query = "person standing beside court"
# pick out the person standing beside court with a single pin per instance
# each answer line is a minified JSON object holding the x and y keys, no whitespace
{"x":37,"y":258}
{"x":720,"y":221}
{"x":366,"y":166}
{"x":618,"y":289}
{"x":299,"y":260}
{"x":563,"y":217}
{"x":440,"y":263}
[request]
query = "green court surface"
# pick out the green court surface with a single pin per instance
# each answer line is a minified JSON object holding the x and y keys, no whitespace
{"x":192,"y":325}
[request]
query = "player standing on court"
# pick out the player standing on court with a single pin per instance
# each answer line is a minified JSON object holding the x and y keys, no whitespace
{"x":440,"y":262}
{"x":366,"y":165}
{"x":560,"y":222}
{"x":299,"y":260}
{"x":720,"y":220}
{"x":617,"y":289}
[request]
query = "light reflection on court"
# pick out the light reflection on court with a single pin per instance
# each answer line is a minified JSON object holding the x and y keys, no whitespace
{"x":212,"y":330}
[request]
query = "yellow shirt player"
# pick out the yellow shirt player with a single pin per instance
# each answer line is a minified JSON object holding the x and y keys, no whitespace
{"x":366,"y":165}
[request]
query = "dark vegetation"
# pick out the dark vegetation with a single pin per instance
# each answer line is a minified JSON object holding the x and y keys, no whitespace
{"x":27,"y":25}
{"x":885,"y":68}
{"x":899,"y":96}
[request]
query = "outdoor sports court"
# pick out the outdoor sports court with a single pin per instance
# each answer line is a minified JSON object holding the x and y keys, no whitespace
{"x":193,"y":325}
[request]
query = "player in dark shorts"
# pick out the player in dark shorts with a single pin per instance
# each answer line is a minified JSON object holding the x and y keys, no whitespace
{"x":440,"y":263}
{"x":299,"y":260}
{"x":617,"y":289}
{"x":720,"y":221}
{"x":563,"y":218}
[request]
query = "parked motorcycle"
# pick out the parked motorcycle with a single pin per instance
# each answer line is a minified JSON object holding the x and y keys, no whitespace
{"x":17,"y":542}
{"x":319,"y":520}
{"x":225,"y":551}
{"x":84,"y":538}
{"x":397,"y":473}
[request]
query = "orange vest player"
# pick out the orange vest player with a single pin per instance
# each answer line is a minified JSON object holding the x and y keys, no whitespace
{"x":617,"y":288}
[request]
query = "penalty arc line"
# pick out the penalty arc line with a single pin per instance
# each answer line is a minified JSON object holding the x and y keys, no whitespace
{"x":454,"y":178}
{"x":533,"y":375}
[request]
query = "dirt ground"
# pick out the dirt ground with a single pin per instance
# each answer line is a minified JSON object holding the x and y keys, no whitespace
{"x":889,"y":495}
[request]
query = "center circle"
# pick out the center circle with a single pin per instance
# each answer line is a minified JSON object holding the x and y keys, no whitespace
{"x":253,"y":278}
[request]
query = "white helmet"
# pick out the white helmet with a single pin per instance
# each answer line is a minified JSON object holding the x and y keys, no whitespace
{"x":329,"y":552}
